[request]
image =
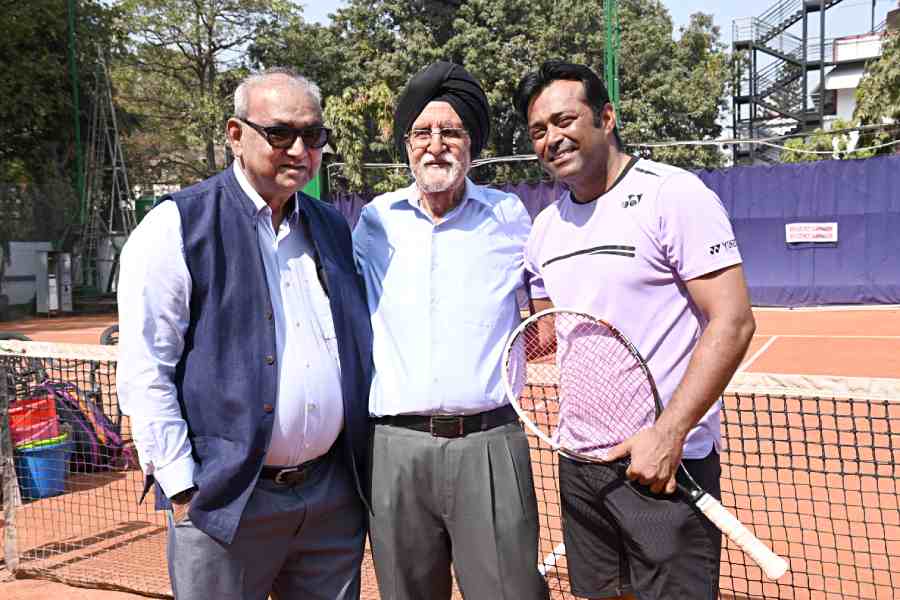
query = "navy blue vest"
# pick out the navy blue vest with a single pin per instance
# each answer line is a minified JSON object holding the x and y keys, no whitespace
{"x":228,"y":371}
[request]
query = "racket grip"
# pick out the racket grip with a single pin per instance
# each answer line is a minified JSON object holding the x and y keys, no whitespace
{"x":772,"y":565}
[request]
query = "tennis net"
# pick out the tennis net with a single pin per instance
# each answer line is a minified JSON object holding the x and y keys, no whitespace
{"x":810,"y":465}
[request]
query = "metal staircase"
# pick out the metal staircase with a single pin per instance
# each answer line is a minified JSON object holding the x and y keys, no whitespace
{"x":772,"y":70}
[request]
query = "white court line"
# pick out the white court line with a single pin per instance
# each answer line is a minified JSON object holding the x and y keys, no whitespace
{"x":832,"y":308}
{"x":757,"y":354}
{"x":831,"y":337}
{"x":550,"y":560}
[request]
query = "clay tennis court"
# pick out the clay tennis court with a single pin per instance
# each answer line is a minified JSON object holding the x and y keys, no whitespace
{"x":822,"y":527}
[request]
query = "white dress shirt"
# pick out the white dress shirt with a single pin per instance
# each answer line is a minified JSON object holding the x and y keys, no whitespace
{"x":153,"y":296}
{"x":442,"y":298}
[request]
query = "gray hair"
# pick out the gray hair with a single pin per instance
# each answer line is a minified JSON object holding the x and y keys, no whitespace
{"x":242,"y":93}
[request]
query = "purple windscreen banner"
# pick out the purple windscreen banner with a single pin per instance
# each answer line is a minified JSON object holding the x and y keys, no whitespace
{"x":861,"y":196}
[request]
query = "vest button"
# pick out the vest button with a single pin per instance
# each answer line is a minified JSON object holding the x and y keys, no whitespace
{"x":268,"y":407}
{"x":270,"y":360}
{"x":268,"y":315}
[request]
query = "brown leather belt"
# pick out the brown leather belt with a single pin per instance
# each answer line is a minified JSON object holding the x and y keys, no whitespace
{"x":452,"y":426}
{"x":291,"y":476}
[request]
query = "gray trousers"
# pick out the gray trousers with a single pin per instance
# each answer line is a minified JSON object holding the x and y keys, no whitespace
{"x":297,"y":543}
{"x":469,"y":501}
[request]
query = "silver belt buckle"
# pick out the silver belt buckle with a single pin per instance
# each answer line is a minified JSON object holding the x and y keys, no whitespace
{"x":442,"y":426}
{"x":278,"y":476}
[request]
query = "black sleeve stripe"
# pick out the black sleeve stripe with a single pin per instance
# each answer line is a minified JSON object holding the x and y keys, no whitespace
{"x":646,"y":172}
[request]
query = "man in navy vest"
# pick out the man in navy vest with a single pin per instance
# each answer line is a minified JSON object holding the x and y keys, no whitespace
{"x":245,"y":362}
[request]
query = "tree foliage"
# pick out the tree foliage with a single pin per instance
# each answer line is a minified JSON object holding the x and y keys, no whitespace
{"x":878,"y":94}
{"x":36,"y":105}
{"x":832,"y":144}
{"x":182,"y":63}
{"x":364,"y":119}
{"x":672,"y":89}
{"x":877,"y":103}
{"x":175,"y":64}
{"x":37,"y":111}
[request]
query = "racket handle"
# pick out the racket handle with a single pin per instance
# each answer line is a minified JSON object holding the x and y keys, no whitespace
{"x":772,"y":565}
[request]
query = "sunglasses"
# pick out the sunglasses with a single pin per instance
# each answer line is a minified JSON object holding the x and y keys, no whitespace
{"x":283,"y":137}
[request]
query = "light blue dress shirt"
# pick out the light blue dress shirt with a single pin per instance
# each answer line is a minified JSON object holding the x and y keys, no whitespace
{"x":442,"y":298}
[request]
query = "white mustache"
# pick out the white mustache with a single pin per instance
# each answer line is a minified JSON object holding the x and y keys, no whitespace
{"x":444,"y":158}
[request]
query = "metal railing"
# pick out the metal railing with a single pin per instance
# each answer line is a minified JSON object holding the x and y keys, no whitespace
{"x":783,"y":11}
{"x":773,"y":21}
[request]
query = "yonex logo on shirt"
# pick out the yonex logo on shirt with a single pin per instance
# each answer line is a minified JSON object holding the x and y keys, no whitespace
{"x":633,"y":200}
{"x":715,"y":248}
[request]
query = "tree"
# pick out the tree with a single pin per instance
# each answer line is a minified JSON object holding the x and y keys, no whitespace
{"x":878,"y":94}
{"x":184,"y":59}
{"x":36,"y":116}
{"x":833,"y":144}
{"x":671,"y":89}
{"x":37,"y":131}
{"x":364,"y":119}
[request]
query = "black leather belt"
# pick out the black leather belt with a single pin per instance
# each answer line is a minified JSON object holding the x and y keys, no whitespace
{"x":291,"y":476}
{"x":452,"y":426}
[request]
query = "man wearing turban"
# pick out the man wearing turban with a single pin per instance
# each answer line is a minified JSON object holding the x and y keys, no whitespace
{"x":442,"y":260}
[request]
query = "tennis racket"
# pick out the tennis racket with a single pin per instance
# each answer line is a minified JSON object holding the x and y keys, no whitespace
{"x":582,"y":387}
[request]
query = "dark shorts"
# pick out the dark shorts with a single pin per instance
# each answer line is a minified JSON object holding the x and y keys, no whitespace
{"x":621,"y":538}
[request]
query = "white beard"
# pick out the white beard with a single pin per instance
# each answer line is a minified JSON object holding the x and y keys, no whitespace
{"x":433,"y":181}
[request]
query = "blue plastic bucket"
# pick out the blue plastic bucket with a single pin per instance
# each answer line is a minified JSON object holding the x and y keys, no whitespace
{"x":42,"y":470}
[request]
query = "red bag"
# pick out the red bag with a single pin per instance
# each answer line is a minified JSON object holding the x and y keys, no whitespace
{"x":33,"y":419}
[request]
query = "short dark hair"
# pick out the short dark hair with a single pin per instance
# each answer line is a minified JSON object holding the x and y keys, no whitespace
{"x":554,"y":70}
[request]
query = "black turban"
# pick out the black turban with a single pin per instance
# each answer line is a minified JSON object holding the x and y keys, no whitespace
{"x":445,"y":82}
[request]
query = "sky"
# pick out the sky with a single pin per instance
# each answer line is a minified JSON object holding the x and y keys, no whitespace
{"x":847,"y":18}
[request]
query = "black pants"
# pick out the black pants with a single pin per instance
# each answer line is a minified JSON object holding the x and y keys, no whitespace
{"x":620,"y":537}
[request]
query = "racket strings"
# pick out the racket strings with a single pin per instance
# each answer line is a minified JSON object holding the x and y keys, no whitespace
{"x":581,"y":385}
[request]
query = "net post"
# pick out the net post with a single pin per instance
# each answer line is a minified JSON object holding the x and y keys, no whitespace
{"x":8,"y":482}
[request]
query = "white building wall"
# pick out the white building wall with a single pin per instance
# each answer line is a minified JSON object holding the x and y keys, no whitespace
{"x":19,"y":278}
{"x":846,"y":103}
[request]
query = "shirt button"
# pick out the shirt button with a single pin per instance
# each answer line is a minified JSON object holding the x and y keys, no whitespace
{"x":268,"y":407}
{"x":312,"y":407}
{"x":270,"y":360}
{"x":287,"y":284}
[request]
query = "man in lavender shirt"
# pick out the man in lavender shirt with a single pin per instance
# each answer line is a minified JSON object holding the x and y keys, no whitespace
{"x":649,"y":248}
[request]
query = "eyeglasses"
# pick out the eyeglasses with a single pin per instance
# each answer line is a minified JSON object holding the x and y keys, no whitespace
{"x":419,"y":138}
{"x":283,"y":137}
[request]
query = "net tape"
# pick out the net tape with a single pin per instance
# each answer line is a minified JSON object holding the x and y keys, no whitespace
{"x":813,"y":471}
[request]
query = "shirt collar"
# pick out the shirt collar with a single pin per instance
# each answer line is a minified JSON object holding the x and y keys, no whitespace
{"x":254,"y":196}
{"x":410,"y":195}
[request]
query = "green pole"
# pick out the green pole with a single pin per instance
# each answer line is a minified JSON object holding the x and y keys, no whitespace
{"x":611,"y":18}
{"x":76,"y":115}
